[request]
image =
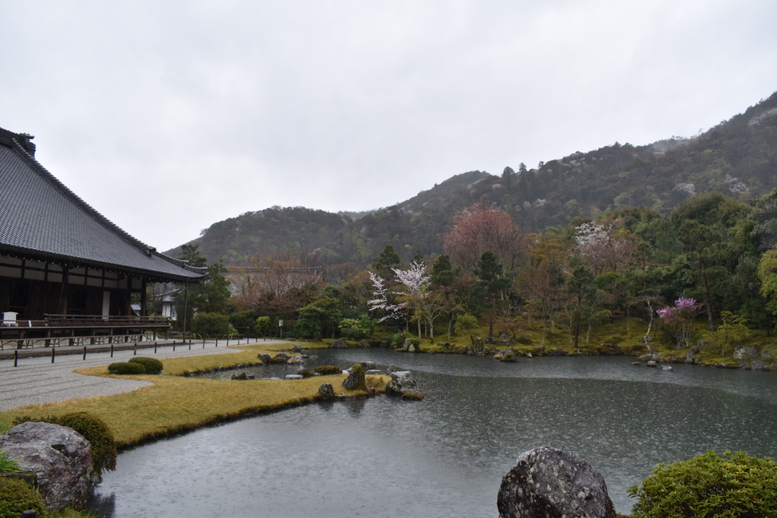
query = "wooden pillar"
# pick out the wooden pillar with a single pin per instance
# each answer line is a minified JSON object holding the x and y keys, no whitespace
{"x":62,"y":304}
{"x":143,"y":304}
{"x":185,"y":306}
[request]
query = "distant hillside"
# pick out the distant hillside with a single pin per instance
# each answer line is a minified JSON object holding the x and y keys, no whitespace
{"x":271,"y":231}
{"x":738,"y":158}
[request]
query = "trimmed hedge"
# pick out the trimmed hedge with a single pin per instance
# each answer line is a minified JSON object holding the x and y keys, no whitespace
{"x":152,"y":365}
{"x":126,"y":368}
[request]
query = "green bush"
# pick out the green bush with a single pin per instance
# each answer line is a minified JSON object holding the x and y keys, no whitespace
{"x":733,"y":485}
{"x":328,"y":369}
{"x":126,"y":368}
{"x":398,"y":340}
{"x":263,"y":326}
{"x":16,"y":496}
{"x":212,"y":325}
{"x":152,"y":365}
{"x":98,"y":434}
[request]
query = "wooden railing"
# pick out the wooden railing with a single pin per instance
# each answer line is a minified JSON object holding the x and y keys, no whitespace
{"x":57,"y":330}
{"x":104,"y":321}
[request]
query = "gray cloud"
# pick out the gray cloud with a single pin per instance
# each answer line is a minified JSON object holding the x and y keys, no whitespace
{"x":169,"y":116}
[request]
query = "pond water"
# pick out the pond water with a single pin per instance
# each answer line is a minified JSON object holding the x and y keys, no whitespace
{"x":446,"y":455}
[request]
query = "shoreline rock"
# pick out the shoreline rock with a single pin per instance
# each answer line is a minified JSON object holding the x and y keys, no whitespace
{"x":550,"y":482}
{"x":60,"y":458}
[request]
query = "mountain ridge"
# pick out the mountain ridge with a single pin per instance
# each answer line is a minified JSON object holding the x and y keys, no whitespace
{"x":736,"y":157}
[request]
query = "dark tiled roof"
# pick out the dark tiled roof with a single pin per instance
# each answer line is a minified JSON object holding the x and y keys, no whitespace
{"x":39,"y":215}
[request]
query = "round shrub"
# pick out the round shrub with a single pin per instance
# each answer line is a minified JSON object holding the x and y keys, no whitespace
{"x":16,"y":496}
{"x":733,"y":485}
{"x":98,"y":434}
{"x":325,"y":370}
{"x":126,"y":368}
{"x":152,"y":365}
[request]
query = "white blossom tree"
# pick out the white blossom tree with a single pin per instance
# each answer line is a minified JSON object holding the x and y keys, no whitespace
{"x":418,"y":296}
{"x":602,"y":248}
{"x":381,"y":300}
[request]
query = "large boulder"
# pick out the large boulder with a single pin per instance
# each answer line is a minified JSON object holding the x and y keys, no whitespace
{"x":60,"y":458}
{"x":547,"y":482}
{"x":401,"y":383}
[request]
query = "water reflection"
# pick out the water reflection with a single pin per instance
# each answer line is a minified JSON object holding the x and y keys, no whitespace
{"x":445,"y":456}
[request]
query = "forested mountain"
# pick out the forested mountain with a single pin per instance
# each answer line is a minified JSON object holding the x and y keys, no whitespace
{"x":270,"y":232}
{"x":737,"y":158}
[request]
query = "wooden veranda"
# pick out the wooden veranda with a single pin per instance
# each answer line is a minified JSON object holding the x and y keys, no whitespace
{"x":68,"y":330}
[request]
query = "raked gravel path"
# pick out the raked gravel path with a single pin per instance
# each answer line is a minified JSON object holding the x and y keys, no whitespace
{"x":36,"y":380}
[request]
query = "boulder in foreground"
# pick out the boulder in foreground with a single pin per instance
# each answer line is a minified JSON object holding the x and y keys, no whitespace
{"x":547,"y":482}
{"x":60,"y":457}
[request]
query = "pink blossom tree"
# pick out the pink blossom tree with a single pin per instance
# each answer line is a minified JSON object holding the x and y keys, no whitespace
{"x":680,"y":315}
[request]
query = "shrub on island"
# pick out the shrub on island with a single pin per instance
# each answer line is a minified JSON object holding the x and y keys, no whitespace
{"x":126,"y":368}
{"x":152,"y":365}
{"x":325,"y":370}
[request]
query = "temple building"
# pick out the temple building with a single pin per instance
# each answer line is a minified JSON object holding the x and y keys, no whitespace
{"x":62,"y":263}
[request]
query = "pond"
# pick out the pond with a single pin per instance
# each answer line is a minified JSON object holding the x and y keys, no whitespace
{"x":446,"y":455}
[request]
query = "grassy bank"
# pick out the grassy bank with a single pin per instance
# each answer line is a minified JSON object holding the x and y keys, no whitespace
{"x":174,"y":404}
{"x":619,"y":337}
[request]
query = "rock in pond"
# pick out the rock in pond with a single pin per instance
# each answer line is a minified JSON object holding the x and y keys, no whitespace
{"x":401,"y":383}
{"x":60,"y":457}
{"x":326,"y":392}
{"x":355,"y":379}
{"x":550,"y":482}
{"x":505,"y":355}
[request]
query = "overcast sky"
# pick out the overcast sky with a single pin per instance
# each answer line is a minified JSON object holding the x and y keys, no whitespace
{"x":167,"y":116}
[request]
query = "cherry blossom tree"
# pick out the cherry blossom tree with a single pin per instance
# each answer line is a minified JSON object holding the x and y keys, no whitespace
{"x":602,"y":248}
{"x":480,"y":228}
{"x":380,"y":300}
{"x":680,"y":315}
{"x":417,"y":295}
